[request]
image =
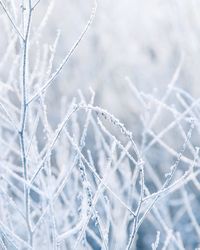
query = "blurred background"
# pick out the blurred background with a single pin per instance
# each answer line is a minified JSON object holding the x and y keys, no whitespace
{"x":143,"y":40}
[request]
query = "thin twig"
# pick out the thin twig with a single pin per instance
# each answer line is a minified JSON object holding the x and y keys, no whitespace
{"x":11,"y":20}
{"x":35,"y":5}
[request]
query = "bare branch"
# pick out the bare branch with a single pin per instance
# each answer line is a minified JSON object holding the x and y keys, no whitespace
{"x":11,"y":20}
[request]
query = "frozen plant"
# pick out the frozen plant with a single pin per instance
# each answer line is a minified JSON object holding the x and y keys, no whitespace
{"x":75,"y":177}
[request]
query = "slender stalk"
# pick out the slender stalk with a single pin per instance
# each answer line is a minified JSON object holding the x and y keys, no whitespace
{"x":11,"y":20}
{"x":24,"y":110}
{"x":35,"y":5}
{"x":137,"y":213}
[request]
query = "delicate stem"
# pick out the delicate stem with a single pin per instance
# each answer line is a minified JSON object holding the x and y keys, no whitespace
{"x":11,"y":20}
{"x":23,"y":119}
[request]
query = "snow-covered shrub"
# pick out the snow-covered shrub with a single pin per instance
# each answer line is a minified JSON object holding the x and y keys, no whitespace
{"x":74,"y":176}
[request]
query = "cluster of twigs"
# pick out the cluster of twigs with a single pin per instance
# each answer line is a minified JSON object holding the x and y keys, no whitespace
{"x":89,"y":183}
